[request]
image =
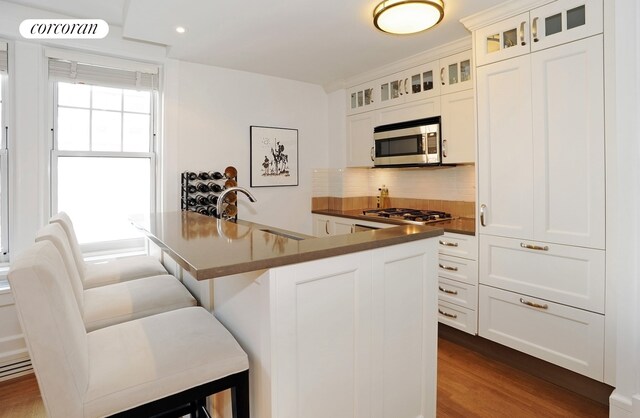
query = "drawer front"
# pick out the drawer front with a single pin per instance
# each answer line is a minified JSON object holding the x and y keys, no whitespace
{"x":457,"y":268}
{"x":457,"y":317}
{"x":564,"y":274}
{"x":569,"y":337}
{"x":458,"y":245}
{"x":461,"y":294}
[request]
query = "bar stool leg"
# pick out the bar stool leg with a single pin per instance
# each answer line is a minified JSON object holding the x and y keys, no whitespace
{"x":240,"y":397}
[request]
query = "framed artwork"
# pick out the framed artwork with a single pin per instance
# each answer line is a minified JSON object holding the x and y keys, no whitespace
{"x":274,"y":156}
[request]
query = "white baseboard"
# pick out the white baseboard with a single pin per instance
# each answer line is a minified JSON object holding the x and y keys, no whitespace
{"x":621,"y":406}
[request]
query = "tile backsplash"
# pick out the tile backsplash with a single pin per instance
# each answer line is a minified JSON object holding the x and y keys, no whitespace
{"x":446,"y":183}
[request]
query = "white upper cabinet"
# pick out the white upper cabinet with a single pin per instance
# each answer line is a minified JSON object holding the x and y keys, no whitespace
{"x":506,"y":39}
{"x":564,"y":21}
{"x":505,"y":148}
{"x":421,"y":82}
{"x":455,"y":73}
{"x":360,"y":139}
{"x":458,"y":127}
{"x":550,"y":25}
{"x":568,"y":127}
{"x":361,"y":98}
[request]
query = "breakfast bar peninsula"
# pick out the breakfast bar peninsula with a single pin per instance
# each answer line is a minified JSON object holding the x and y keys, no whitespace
{"x":342,"y":326}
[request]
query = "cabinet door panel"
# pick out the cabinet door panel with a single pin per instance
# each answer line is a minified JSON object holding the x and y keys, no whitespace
{"x":565,"y":21}
{"x":505,"y":147}
{"x":409,"y":111}
{"x":569,"y":337}
{"x":458,"y":127}
{"x":569,"y":159}
{"x":560,"y":273}
{"x":360,"y":139}
{"x":456,"y":73}
{"x":458,"y":317}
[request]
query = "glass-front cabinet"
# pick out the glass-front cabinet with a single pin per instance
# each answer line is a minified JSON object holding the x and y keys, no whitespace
{"x":421,"y":81}
{"x":456,"y":73}
{"x":361,"y":98}
{"x":549,"y":25}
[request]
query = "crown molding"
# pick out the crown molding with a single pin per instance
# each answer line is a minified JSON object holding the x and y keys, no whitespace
{"x":500,"y":12}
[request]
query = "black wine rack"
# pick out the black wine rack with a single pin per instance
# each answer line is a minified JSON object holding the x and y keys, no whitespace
{"x":200,"y":194}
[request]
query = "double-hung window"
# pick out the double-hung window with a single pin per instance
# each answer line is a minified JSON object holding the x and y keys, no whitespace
{"x":103,"y":159}
{"x":4,"y":206}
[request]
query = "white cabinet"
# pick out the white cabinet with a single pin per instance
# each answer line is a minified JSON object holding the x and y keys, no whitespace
{"x":360,"y":139}
{"x":458,"y":281}
{"x":422,"y":81}
{"x":566,"y":336}
{"x":505,"y":148}
{"x":550,"y":25}
{"x":362,"y":98}
{"x":321,"y":226}
{"x":564,"y":274}
{"x":343,"y":226}
{"x":458,"y":127}
{"x":347,"y":336}
{"x":409,"y":111}
{"x":456,"y":73}
{"x":569,"y":151}
{"x":551,"y":188}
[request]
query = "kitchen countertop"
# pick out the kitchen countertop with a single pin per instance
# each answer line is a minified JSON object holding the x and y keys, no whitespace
{"x":209,"y":248}
{"x":466,"y":226}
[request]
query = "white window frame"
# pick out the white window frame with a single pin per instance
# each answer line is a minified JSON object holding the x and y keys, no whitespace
{"x":117,"y":247}
{"x":4,"y":169}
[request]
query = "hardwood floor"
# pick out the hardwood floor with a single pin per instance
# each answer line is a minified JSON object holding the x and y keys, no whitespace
{"x":469,"y":385}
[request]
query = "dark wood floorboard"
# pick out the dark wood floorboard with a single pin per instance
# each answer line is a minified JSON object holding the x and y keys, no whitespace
{"x":469,"y":385}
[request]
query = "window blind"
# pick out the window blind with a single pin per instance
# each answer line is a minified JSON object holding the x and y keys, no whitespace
{"x":76,"y":72}
{"x":4,"y":61}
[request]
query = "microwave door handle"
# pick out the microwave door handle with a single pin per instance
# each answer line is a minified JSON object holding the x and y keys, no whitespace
{"x":372,"y":158}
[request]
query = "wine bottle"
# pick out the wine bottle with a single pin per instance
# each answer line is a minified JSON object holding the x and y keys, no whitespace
{"x":202,"y":200}
{"x":190,"y":201}
{"x":191,"y":175}
{"x":201,"y":187}
{"x":202,"y":209}
{"x":216,"y":175}
{"x":230,"y":183}
{"x":203,"y":175}
{"x":213,"y":200}
{"x":212,"y":211}
{"x":190,"y":188}
{"x":214,"y":187}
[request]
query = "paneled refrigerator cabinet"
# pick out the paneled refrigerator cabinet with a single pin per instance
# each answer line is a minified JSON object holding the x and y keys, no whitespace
{"x":541,"y":183}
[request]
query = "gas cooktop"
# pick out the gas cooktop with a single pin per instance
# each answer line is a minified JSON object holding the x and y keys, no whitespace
{"x":413,"y":216}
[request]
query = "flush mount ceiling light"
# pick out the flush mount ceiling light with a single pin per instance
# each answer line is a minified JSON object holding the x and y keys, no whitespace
{"x":407,"y":16}
{"x":180,"y":29}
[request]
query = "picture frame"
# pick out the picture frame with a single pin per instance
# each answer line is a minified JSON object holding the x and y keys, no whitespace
{"x":273,"y":156}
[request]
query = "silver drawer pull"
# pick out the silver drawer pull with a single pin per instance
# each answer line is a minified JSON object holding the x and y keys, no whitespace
{"x":448,"y":315}
{"x":442,"y":266}
{"x":534,"y":247}
{"x":451,"y":292}
{"x":448,"y":244}
{"x":534,"y":305}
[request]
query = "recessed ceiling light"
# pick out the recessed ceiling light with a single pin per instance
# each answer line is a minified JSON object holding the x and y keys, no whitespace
{"x":407,"y":16}
{"x":180,"y":29}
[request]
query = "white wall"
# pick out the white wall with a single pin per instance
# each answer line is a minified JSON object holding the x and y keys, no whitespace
{"x":209,"y":111}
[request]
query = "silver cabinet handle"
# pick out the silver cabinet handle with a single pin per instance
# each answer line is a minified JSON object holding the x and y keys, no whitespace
{"x":400,"y":88}
{"x":442,"y":75}
{"x":451,"y":292}
{"x":534,"y":29}
{"x":444,"y":148}
{"x":406,"y":83}
{"x":443,"y":267}
{"x":448,"y":315}
{"x":482,"y":209}
{"x":326,"y":227}
{"x":353,"y":227}
{"x":448,"y":244}
{"x":534,"y":247}
{"x":522,"y":42}
{"x":534,"y":305}
{"x":371,"y":154}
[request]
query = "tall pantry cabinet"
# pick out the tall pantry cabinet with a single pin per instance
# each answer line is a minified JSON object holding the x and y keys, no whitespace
{"x":541,"y":180}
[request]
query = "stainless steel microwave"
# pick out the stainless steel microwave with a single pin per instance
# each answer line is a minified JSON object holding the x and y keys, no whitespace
{"x":412,"y":143}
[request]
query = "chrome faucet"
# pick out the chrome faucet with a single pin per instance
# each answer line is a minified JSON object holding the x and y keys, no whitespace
{"x":224,"y":194}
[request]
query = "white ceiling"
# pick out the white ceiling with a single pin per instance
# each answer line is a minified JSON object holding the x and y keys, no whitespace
{"x":321,"y":42}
